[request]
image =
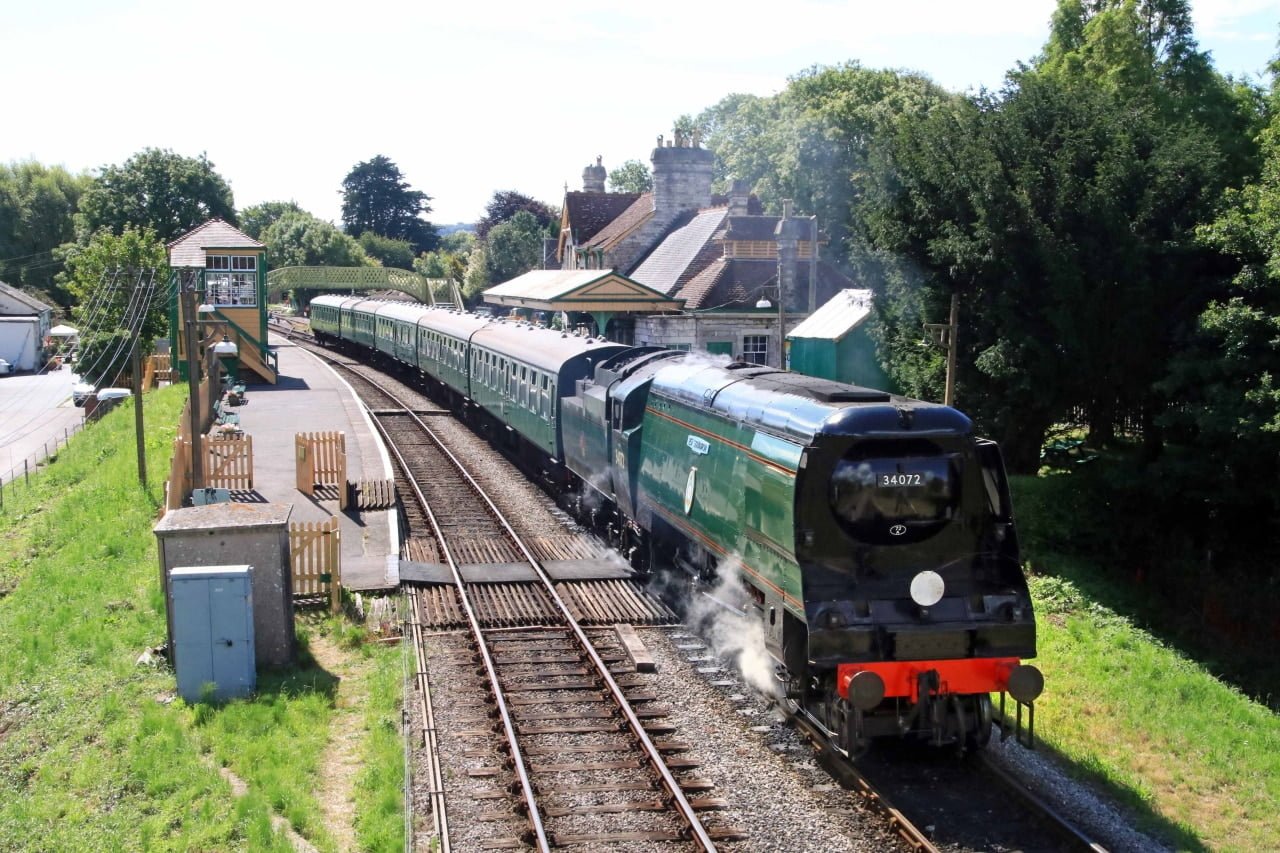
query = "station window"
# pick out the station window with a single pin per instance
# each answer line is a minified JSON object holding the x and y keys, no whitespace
{"x":755,"y":349}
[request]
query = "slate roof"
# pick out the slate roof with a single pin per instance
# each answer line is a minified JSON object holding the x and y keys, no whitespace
{"x":636,"y":214}
{"x":680,"y":255}
{"x":24,"y":298}
{"x":841,"y":314}
{"x":585,"y":213}
{"x":189,"y":249}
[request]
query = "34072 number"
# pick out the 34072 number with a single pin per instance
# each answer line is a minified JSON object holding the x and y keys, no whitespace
{"x":901,"y":480}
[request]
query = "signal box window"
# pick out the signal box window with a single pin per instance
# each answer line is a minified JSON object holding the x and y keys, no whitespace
{"x":231,"y":280}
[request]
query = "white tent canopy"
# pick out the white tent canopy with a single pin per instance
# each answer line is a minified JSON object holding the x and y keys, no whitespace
{"x":63,"y":332}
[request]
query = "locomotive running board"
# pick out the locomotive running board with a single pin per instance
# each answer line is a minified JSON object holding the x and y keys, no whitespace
{"x":558,"y":570}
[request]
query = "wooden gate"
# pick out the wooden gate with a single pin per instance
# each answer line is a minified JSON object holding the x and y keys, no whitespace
{"x":316,"y":557}
{"x":228,"y":461}
{"x":321,"y":460}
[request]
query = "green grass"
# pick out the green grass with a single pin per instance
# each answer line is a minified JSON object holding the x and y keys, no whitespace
{"x":1196,"y":758}
{"x":380,"y":787}
{"x":95,"y":753}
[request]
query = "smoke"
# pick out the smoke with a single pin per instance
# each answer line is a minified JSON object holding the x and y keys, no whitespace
{"x":725,"y":617}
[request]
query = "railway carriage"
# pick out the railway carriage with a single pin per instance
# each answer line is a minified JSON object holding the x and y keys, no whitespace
{"x":356,"y":319}
{"x":396,"y":331}
{"x":519,"y":373}
{"x":444,"y":340}
{"x":325,"y":318}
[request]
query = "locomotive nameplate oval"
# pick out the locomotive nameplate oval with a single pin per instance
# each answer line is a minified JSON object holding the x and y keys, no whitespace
{"x":688,"y":490}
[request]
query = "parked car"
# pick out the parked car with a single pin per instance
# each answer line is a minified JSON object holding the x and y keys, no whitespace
{"x":5,"y":367}
{"x":80,"y":391}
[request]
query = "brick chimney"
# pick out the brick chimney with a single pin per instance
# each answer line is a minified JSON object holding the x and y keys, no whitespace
{"x":682,"y":173}
{"x":593,"y":177}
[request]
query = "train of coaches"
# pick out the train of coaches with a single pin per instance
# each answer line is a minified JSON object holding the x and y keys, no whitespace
{"x":873,"y":532}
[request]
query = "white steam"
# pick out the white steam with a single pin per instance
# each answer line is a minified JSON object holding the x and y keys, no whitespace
{"x":726,"y":619}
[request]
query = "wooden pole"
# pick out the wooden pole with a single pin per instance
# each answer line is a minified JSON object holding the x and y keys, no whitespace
{"x":953,"y":329}
{"x":137,"y":409}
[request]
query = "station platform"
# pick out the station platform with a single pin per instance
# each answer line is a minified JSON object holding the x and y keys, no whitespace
{"x":309,"y":396}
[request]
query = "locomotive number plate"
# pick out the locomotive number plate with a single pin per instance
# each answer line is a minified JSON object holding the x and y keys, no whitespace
{"x":898,"y":480}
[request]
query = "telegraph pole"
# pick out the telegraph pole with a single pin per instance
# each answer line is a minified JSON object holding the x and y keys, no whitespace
{"x":945,"y":337}
{"x":193,"y":379}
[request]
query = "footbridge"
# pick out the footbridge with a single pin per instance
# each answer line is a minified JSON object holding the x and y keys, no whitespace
{"x":432,"y":291}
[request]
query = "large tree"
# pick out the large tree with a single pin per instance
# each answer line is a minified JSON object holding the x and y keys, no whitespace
{"x":514,"y":247}
{"x":37,"y":205}
{"x":119,"y":284}
{"x":156,"y":189}
{"x":376,"y":197}
{"x":507,"y":203}
{"x":258,"y":217}
{"x":632,"y":176}
{"x":300,"y":239}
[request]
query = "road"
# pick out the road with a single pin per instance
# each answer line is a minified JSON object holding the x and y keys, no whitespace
{"x":35,"y":410}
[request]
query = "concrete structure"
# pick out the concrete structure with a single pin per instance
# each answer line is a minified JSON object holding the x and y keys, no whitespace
{"x":835,"y":343}
{"x":24,"y":328}
{"x":234,"y":534}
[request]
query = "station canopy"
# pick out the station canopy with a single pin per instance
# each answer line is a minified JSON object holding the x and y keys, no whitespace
{"x":596,"y":291}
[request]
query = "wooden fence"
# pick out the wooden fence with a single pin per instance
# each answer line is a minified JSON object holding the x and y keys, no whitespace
{"x":321,"y":460}
{"x":179,"y":484}
{"x":228,"y":461}
{"x":316,"y":557}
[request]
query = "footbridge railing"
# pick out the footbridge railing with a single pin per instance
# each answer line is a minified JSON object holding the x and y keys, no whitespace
{"x":428,"y":290}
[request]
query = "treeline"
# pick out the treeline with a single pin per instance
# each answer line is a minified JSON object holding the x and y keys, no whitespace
{"x":1110,"y":219}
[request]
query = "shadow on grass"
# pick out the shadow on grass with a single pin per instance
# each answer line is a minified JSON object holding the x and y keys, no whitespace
{"x":305,"y":678}
{"x":1255,"y":671}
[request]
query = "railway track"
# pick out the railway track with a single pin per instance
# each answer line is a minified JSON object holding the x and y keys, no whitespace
{"x":578,"y":757}
{"x":965,"y":805}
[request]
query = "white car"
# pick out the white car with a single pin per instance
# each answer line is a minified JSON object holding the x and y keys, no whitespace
{"x":80,"y":391}
{"x":5,"y":367}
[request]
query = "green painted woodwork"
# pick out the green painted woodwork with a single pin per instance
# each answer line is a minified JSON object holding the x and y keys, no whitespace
{"x":743,"y":492}
{"x":360,"y":278}
{"x":851,"y":359}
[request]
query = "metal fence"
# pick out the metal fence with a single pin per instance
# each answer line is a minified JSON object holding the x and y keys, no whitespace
{"x":19,"y":476}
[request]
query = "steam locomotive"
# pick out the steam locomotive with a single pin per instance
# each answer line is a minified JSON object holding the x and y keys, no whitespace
{"x":873,"y":532}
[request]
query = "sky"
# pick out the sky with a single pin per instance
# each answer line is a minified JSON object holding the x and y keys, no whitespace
{"x":470,"y":97}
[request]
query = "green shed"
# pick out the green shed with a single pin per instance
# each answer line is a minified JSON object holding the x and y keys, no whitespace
{"x":835,"y":343}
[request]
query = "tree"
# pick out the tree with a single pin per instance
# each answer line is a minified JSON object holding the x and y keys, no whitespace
{"x":450,"y":260}
{"x":156,"y":189}
{"x":514,"y":247}
{"x":377,"y":198}
{"x":256,"y":218}
{"x":300,"y":239}
{"x":37,"y":205}
{"x":387,"y":251}
{"x":631,"y":177}
{"x":118,"y":283}
{"x":476,"y":279}
{"x":506,"y":204}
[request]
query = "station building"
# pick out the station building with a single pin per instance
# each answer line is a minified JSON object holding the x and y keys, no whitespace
{"x":25,"y":323}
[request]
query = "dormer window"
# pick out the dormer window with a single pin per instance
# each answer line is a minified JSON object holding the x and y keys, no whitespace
{"x":231,"y":280}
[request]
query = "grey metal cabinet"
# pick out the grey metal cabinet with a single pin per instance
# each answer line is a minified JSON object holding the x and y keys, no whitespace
{"x":212,"y":609}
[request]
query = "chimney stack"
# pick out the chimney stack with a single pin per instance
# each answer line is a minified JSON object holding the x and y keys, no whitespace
{"x":682,"y":175}
{"x":593,"y":177}
{"x":788,"y":234}
{"x":739,"y":198}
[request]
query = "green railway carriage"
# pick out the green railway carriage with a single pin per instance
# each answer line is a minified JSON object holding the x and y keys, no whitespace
{"x":444,"y":341}
{"x":396,"y":330}
{"x":518,"y":374}
{"x":357,"y":320}
{"x":325,"y":316}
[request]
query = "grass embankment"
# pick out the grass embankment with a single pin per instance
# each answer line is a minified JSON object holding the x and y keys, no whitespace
{"x":95,"y":753}
{"x":1197,"y":759}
